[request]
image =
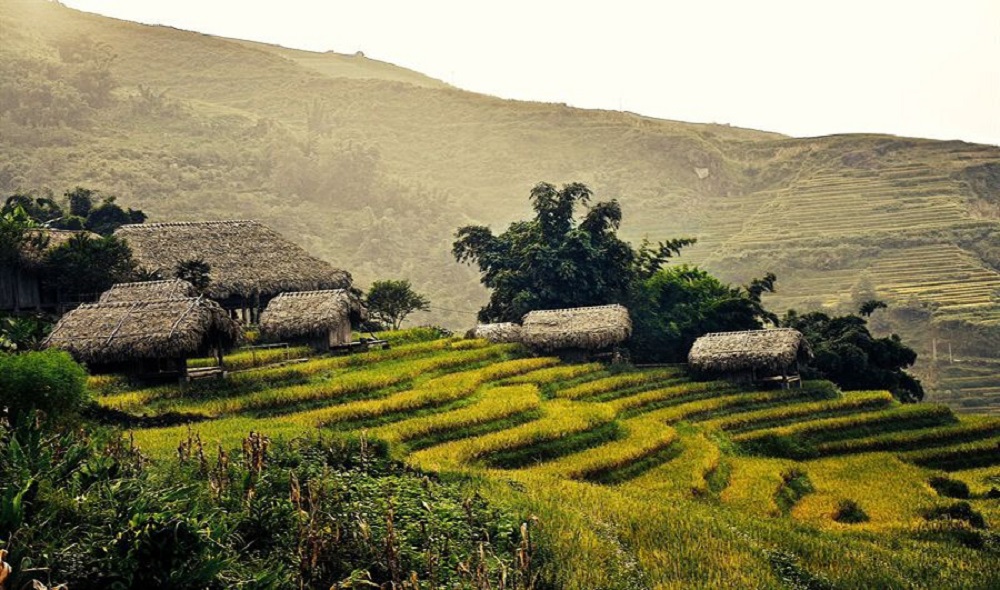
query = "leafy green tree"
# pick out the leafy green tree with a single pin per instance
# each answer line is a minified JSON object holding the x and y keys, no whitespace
{"x":195,"y":271}
{"x":846,"y":353}
{"x":109,"y":216}
{"x":86,"y":266}
{"x":676,"y":305}
{"x":871,"y":306}
{"x":554,"y":261}
{"x":16,"y":233}
{"x":390,"y":301}
{"x":40,"y":209}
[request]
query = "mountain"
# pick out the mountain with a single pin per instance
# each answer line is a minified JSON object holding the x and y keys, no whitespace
{"x":372,"y":167}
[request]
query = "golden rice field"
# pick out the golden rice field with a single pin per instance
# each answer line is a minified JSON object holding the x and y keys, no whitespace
{"x":638,"y":478}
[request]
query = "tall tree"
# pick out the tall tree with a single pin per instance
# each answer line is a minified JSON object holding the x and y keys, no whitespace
{"x":554,"y":261}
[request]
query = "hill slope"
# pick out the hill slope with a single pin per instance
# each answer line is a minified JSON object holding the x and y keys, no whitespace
{"x":373,"y":167}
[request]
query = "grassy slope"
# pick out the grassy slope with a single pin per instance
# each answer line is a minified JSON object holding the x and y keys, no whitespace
{"x":636,"y":500}
{"x":835,"y":217}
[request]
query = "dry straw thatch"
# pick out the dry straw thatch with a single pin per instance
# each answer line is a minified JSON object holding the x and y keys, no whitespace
{"x":309,"y":314}
{"x":497,"y":333}
{"x":589,"y":328}
{"x":105,"y":333}
{"x":148,"y":291}
{"x":761,"y":350}
{"x":246,"y":257}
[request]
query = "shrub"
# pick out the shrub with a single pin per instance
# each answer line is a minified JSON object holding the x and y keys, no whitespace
{"x":49,"y":381}
{"x":949,"y":488}
{"x":850,"y":512}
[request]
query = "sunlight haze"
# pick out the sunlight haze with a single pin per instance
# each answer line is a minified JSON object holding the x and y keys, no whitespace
{"x":927,"y":69}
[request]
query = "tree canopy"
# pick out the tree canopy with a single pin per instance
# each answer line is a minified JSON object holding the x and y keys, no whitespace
{"x":847,"y":354}
{"x":556,"y":261}
{"x":390,"y":301}
{"x":676,"y":305}
{"x":81,"y":211}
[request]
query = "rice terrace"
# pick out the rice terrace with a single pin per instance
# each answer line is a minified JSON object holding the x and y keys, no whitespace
{"x":279,"y":317}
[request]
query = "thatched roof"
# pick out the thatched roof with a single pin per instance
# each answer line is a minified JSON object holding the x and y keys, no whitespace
{"x":497,"y":333}
{"x":309,"y":313}
{"x":590,"y":328}
{"x":52,"y":238}
{"x":148,"y":291}
{"x":728,"y":352}
{"x":166,"y":328}
{"x":245,"y":257}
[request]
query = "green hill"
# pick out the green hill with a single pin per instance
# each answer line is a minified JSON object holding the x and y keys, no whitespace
{"x":373,"y":167}
{"x":641,"y":478}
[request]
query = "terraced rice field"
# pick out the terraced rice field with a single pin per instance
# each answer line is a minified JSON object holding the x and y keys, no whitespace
{"x":607,"y":457}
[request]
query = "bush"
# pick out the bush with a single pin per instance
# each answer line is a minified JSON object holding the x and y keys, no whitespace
{"x":49,"y":381}
{"x":949,"y":488}
{"x":850,"y":512}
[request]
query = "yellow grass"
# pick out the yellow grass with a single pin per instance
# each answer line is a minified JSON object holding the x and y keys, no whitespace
{"x":617,"y":382}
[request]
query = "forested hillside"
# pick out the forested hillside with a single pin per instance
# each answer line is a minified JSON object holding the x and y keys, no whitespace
{"x":373,"y":167}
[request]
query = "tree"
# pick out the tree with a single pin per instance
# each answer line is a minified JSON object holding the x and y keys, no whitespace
{"x":390,"y":301}
{"x":554,"y":261}
{"x":109,"y":216}
{"x":846,"y":353}
{"x":195,"y":271}
{"x":85,"y":265}
{"x":676,"y":305}
{"x":871,"y":306}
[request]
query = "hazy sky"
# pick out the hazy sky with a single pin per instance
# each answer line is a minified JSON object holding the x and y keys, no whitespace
{"x":916,"y":68}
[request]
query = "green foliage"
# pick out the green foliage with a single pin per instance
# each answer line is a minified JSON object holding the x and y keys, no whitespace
{"x":102,"y":219}
{"x":308,"y":513}
{"x":87,"y":265}
{"x":846,"y":353}
{"x":554,"y":261}
{"x":23,"y":332}
{"x":391,"y":301}
{"x":676,"y":305}
{"x":16,"y":234}
{"x":49,"y":381}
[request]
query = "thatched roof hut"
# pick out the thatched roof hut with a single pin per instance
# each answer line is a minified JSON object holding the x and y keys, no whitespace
{"x":20,"y":286}
{"x":587,"y":328}
{"x":497,"y":333}
{"x":33,"y":256}
{"x":115,"y":333}
{"x":312,"y":315}
{"x":247,"y":259}
{"x":148,"y":291}
{"x":760,"y":351}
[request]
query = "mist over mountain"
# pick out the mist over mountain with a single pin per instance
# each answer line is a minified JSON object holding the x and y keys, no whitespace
{"x":373,"y":167}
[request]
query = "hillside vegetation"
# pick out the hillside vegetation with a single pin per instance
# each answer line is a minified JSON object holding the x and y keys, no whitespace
{"x":638,"y":478}
{"x":373,"y":167}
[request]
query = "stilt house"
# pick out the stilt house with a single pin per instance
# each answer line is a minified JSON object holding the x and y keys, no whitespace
{"x":321,"y":319}
{"x":751,"y":356}
{"x":21,"y":288}
{"x":250,"y":264}
{"x":577,"y":332}
{"x":146,"y":339}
